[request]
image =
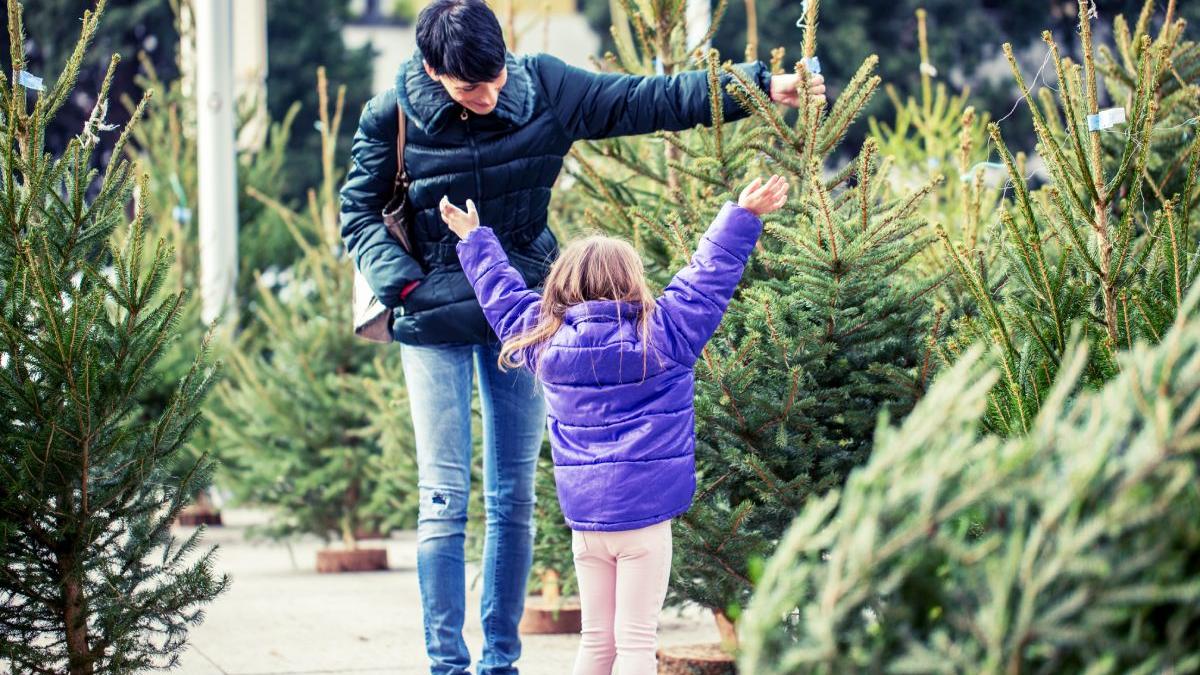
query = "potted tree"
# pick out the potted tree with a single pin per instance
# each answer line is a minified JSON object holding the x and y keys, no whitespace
{"x":552,"y":606}
{"x":164,"y":144}
{"x":294,"y":423}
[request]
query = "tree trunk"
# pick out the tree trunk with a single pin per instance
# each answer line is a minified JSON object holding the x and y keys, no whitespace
{"x":672,"y":153}
{"x":706,"y":659}
{"x":349,"y":515}
{"x":727,"y":629}
{"x":551,"y":591}
{"x":74,"y":619}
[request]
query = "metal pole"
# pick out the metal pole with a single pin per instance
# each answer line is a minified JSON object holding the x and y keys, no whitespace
{"x":250,"y":70}
{"x":217,"y":161}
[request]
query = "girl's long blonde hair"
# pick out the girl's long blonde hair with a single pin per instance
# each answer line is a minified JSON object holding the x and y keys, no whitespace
{"x":592,"y":268}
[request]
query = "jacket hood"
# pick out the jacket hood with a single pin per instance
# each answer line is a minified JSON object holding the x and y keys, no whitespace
{"x":602,"y":310}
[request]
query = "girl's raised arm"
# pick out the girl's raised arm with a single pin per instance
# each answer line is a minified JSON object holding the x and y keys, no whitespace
{"x":693,"y":303}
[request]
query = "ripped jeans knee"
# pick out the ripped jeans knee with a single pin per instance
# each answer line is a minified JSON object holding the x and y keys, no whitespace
{"x":442,"y":512}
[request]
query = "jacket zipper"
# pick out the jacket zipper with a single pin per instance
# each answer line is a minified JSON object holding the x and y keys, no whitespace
{"x":474,"y":154}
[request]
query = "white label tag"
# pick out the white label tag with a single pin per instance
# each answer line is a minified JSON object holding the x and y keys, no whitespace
{"x":30,"y":81}
{"x":1107,"y":119}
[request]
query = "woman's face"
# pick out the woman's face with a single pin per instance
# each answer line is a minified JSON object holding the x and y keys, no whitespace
{"x":478,"y":97}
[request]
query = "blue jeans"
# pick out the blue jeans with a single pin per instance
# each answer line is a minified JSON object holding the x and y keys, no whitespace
{"x":439,"y":382}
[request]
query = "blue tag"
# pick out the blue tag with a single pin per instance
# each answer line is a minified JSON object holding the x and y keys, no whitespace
{"x":813,"y":64}
{"x":30,"y":81}
{"x":181,"y":214}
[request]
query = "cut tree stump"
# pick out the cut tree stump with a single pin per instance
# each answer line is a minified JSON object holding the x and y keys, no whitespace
{"x":706,"y":659}
{"x":198,"y":514}
{"x":333,"y":560}
{"x":551,"y":618}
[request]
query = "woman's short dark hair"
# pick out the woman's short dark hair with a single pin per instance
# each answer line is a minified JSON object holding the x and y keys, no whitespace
{"x":462,"y":39}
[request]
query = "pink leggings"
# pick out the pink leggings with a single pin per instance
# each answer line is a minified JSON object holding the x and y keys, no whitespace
{"x":622,"y":584}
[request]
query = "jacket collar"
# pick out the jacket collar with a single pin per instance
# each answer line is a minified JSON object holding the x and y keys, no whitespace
{"x":602,"y":310}
{"x":429,"y":106}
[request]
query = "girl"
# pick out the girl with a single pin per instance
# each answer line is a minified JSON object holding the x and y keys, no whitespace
{"x":616,"y":366}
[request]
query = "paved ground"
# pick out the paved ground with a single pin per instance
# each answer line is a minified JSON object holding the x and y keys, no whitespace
{"x":279,"y":616}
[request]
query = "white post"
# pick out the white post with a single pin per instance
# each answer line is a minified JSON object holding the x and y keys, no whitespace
{"x":217,"y":161}
{"x":699,"y":20}
{"x":187,"y":64}
{"x":250,"y":69}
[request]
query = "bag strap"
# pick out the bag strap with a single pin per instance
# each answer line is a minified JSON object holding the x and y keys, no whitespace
{"x":401,"y":123}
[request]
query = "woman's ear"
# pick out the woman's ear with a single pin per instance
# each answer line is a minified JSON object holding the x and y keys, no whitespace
{"x":430,"y":71}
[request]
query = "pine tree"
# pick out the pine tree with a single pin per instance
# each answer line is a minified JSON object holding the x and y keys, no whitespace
{"x":93,"y":581}
{"x":553,"y":560}
{"x":828,"y":328}
{"x":129,"y":27}
{"x":940,"y":134}
{"x":164,"y":143}
{"x":1177,"y":92}
{"x":1071,"y":549}
{"x":302,"y":35}
{"x":293,"y":422}
{"x":390,"y":418}
{"x":1082,"y":251}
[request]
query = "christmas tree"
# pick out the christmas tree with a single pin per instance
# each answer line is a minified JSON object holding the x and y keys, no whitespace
{"x":934,"y":134}
{"x":829,"y":327}
{"x":129,"y":26}
{"x":1176,"y":90}
{"x":293,"y":422}
{"x":391,"y":424}
{"x":93,"y":581}
{"x":302,"y":34}
{"x":1084,"y":251}
{"x":553,"y":571}
{"x":1070,"y":549}
{"x":164,"y":143}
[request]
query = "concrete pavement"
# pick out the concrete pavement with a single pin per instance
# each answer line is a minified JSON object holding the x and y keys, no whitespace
{"x":280,"y":617}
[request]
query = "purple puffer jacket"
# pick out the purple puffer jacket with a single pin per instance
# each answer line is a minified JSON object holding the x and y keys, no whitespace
{"x":622,"y":427}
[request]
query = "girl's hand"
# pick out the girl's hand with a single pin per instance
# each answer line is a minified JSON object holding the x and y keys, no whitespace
{"x":459,"y":221}
{"x":762,"y":198}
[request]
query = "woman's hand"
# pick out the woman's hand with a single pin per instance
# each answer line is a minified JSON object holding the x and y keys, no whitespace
{"x":761,"y":199}
{"x":784,"y":89}
{"x":459,"y":221}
